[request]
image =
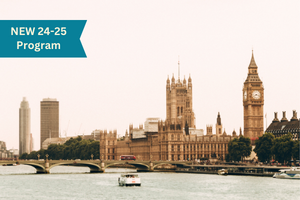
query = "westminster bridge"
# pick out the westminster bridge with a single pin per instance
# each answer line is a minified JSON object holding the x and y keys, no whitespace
{"x":96,"y":166}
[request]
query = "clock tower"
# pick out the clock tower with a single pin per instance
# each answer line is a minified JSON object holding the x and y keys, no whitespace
{"x":253,"y":102}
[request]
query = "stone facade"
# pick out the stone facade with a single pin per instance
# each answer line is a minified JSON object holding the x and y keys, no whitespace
{"x":253,"y":102}
{"x":174,"y":139}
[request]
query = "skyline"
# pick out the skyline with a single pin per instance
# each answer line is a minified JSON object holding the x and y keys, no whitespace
{"x":133,"y":47}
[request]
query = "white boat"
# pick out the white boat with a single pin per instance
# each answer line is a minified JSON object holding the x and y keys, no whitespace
{"x":129,"y":180}
{"x":222,"y":171}
{"x":292,"y":173}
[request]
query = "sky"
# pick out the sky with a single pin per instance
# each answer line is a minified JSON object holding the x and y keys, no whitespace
{"x":133,"y":46}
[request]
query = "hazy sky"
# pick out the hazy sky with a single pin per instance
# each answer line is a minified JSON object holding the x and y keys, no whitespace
{"x":133,"y":46}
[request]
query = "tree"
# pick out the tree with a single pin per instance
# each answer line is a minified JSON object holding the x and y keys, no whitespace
{"x":295,"y":150}
{"x":282,"y":148}
{"x":239,"y":148}
{"x":263,"y":147}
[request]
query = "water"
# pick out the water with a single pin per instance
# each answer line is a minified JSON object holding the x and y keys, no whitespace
{"x":19,"y":182}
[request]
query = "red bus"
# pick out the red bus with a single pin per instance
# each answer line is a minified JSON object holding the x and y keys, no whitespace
{"x":127,"y":157}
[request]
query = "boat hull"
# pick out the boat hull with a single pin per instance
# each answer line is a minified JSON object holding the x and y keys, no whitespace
{"x":286,"y":176}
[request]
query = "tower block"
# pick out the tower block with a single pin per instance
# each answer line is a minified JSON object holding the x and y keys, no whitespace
{"x":179,"y":102}
{"x":253,"y":102}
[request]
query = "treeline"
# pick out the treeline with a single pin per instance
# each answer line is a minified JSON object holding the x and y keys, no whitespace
{"x":267,"y":147}
{"x":72,"y":149}
{"x":281,"y":149}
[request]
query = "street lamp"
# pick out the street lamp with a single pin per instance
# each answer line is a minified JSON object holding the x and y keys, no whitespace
{"x":101,"y":157}
{"x":38,"y":156}
{"x":92,"y":156}
{"x":46,"y":156}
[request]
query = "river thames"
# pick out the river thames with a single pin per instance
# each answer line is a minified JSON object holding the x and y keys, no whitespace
{"x":20,"y":182}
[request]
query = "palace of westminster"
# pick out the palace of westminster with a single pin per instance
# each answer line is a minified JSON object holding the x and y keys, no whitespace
{"x":177,"y":138}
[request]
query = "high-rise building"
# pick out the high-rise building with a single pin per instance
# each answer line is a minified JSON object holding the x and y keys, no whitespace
{"x":24,"y":127}
{"x":179,"y":102}
{"x":49,"y":119}
{"x":253,"y":102}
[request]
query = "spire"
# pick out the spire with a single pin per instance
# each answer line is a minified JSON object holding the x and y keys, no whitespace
{"x":168,"y":80}
{"x":252,"y":64}
{"x":178,"y":69}
{"x":190,"y":80}
{"x":173,"y":79}
{"x":219,"y":119}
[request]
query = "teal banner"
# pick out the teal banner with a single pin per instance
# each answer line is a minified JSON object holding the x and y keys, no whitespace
{"x":41,"y":38}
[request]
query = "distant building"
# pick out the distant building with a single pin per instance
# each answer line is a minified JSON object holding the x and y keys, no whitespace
{"x":4,"y":153}
{"x":24,"y":128}
{"x":49,"y":119}
{"x":284,"y":126}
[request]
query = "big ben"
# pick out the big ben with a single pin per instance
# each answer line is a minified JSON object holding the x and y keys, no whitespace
{"x":253,"y":102}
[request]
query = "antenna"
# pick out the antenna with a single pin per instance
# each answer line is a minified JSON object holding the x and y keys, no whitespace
{"x":178,"y":68}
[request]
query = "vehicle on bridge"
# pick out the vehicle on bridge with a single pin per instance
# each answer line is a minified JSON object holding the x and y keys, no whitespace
{"x":127,"y":157}
{"x":129,"y":180}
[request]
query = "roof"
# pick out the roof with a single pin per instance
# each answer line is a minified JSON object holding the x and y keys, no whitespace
{"x":284,"y":127}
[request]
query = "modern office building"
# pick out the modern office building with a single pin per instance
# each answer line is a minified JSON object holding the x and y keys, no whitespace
{"x":24,"y":128}
{"x":49,"y":119}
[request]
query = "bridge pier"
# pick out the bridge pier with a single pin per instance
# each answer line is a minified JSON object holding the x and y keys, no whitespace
{"x":102,"y":166}
{"x":151,"y":167}
{"x":47,"y":170}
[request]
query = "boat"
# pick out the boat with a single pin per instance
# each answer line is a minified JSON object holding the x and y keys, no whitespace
{"x":292,"y":173}
{"x":129,"y":180}
{"x":223,"y":172}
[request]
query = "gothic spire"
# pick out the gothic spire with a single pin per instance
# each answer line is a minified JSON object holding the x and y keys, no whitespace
{"x":219,"y":119}
{"x":252,"y":64}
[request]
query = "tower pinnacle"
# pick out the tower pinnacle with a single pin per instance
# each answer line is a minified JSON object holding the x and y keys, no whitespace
{"x":178,"y":69}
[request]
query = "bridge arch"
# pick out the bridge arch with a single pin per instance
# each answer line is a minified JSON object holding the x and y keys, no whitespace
{"x":93,"y":167}
{"x":39,"y":168}
{"x":135,"y":164}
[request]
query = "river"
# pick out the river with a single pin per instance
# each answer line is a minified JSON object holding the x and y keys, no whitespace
{"x":20,"y":182}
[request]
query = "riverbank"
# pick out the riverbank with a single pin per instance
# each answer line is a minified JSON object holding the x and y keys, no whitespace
{"x":242,"y":170}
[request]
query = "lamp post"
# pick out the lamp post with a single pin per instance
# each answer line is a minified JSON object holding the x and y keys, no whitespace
{"x":38,"y":156}
{"x":47,"y":156}
{"x":101,"y":157}
{"x":92,"y":156}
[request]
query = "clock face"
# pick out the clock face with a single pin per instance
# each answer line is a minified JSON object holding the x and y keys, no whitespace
{"x":245,"y":95}
{"x":256,"y":94}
